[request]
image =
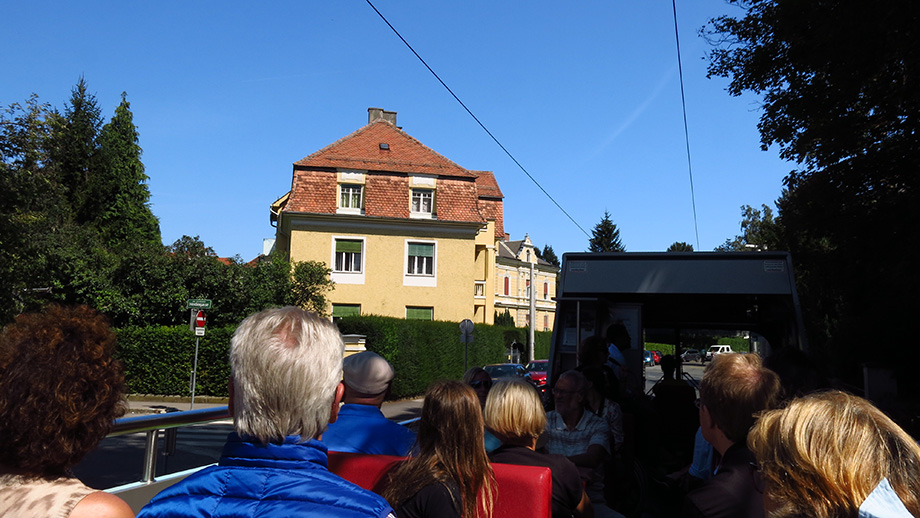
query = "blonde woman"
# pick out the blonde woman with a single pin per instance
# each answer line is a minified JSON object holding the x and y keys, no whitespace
{"x":834,"y":455}
{"x":515,"y":415}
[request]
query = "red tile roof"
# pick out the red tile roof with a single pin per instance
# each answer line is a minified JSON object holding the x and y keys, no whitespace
{"x":487,"y":185}
{"x":361,"y":150}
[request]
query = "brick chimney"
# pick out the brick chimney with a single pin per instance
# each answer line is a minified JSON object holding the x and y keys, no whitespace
{"x":379,"y":113}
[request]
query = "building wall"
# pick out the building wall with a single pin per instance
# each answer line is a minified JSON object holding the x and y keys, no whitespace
{"x":517,"y":300}
{"x":381,"y":288}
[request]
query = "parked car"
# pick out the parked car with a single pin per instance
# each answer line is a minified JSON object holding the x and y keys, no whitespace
{"x":656,"y":355}
{"x":716,"y":350}
{"x":500,"y":371}
{"x":691,"y":355}
{"x":649,"y":358}
{"x":537,"y":371}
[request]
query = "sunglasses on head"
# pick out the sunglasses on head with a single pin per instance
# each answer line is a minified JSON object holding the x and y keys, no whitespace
{"x":479,"y":383}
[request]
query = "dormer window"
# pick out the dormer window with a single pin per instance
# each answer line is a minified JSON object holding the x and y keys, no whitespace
{"x":351,"y":198}
{"x":422,"y":203}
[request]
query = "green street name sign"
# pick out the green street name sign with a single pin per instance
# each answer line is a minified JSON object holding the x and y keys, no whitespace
{"x":199,"y":304}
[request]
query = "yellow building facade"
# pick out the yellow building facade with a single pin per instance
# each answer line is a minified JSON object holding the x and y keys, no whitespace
{"x":406,"y":232}
{"x":518,"y":271}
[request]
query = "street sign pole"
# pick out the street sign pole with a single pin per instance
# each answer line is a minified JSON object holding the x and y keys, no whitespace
{"x":466,"y":336}
{"x":194,"y":374}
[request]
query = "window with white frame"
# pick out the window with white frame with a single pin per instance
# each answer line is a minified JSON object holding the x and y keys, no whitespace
{"x":351,"y":196}
{"x":422,"y":201}
{"x":348,"y":255}
{"x":421,"y":259}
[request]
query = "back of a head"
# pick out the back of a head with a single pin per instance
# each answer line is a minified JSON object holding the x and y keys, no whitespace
{"x":60,"y":388}
{"x":451,"y":419}
{"x":593,"y":351}
{"x":514,"y":412}
{"x":471,"y":374}
{"x":286,"y":364}
{"x":734,"y":388}
{"x":668,"y":365}
{"x":826,"y":452}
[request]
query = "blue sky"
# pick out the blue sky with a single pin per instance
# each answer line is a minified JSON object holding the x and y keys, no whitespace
{"x":227,"y":95}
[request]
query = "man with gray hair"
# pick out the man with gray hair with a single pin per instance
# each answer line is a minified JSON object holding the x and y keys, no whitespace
{"x":284,"y":390}
{"x":361,"y":426}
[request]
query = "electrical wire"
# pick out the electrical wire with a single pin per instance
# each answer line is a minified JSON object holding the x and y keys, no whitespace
{"x":481,"y":125}
{"x":683,"y":103}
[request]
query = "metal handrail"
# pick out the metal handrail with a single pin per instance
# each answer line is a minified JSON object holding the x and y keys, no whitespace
{"x":152,"y":424}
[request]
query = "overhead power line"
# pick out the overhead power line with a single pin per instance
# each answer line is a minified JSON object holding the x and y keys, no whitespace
{"x":683,"y":103}
{"x":481,"y":125}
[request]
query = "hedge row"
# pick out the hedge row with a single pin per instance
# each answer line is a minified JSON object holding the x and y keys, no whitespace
{"x":158,"y":360}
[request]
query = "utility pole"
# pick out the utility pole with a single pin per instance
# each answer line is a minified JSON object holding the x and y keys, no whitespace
{"x":533,"y":314}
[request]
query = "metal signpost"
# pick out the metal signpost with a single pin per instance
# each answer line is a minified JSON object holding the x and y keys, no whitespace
{"x":197,"y":322}
{"x":466,"y":336}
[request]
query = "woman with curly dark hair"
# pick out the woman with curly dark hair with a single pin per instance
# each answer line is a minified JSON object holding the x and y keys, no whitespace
{"x":60,"y":391}
{"x":450,"y":476}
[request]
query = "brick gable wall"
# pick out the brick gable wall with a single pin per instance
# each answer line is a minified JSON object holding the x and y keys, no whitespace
{"x":493,"y":209}
{"x":455,"y":200}
{"x":313,"y":191}
{"x":386,"y":195}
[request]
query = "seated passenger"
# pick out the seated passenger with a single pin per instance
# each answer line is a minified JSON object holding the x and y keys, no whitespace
{"x":481,"y":382}
{"x":60,"y":391}
{"x":734,"y":389}
{"x":579,"y":435}
{"x":833,"y":454}
{"x":515,"y":415}
{"x":449,"y":473}
{"x":361,"y":426}
{"x":285,"y":365}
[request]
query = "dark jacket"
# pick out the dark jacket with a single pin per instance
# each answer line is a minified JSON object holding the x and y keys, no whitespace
{"x":731,"y":492}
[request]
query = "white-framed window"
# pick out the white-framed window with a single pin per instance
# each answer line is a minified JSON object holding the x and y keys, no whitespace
{"x":348,"y":258}
{"x":351,"y":198}
{"x":348,"y":255}
{"x":421,"y":265}
{"x":422,"y":202}
{"x":421,"y":259}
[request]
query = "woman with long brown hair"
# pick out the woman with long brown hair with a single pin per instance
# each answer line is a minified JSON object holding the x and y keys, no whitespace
{"x":450,"y":475}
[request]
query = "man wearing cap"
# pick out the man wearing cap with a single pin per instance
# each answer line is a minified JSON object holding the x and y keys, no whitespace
{"x":361,"y":426}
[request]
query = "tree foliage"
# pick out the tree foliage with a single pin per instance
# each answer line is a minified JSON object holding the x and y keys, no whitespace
{"x":504,"y":319}
{"x":840,"y":88}
{"x":680,"y":246}
{"x":759,"y":232}
{"x":76,"y":228}
{"x":549,"y":255}
{"x":605,"y":237}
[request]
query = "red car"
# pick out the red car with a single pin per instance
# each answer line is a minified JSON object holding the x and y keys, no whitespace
{"x":537,"y":371}
{"x":656,"y":357}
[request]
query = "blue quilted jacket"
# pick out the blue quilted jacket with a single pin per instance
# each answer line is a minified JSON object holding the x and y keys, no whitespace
{"x":274,"y":481}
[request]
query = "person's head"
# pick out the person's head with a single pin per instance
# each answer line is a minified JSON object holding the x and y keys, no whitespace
{"x":734,"y":388}
{"x":60,"y":388}
{"x":593,"y":351}
{"x":367,"y":377}
{"x":285,"y":365}
{"x":514,"y":412}
{"x":479,"y":379}
{"x":618,"y":335}
{"x":451,"y":445}
{"x":668,"y":365}
{"x":569,"y":391}
{"x":824,"y":453}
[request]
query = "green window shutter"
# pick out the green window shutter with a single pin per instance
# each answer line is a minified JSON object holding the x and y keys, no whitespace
{"x":345,"y":310}
{"x":421,"y":250}
{"x":419,"y":313}
{"x":348,"y":246}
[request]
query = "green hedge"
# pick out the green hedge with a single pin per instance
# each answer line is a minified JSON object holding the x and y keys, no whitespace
{"x":158,"y":360}
{"x":664,"y":348}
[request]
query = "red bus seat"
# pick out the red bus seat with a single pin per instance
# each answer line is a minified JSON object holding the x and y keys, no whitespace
{"x":520,"y":490}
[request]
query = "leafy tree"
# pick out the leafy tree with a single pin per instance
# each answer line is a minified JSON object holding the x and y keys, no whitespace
{"x":605,"y":237}
{"x":680,"y":246}
{"x":847,"y":111}
{"x":310,"y":285}
{"x":759,"y":231}
{"x":549,"y":255}
{"x":121,"y":191}
{"x":504,"y":319}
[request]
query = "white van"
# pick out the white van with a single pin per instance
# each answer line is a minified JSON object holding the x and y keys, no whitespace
{"x":714,"y":350}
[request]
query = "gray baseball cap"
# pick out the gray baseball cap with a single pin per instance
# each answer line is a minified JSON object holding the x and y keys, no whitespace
{"x":367,"y":372}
